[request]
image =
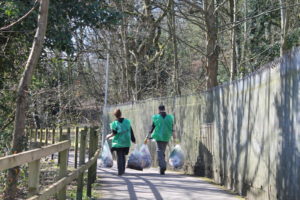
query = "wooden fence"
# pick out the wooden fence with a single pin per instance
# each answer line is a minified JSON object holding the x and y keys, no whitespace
{"x":61,"y":144}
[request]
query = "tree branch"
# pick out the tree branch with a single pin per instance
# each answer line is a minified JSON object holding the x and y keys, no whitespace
{"x":220,"y":5}
{"x":20,"y":19}
{"x":237,"y":23}
{"x":197,"y":7}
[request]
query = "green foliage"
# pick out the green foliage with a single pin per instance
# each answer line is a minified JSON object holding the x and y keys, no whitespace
{"x":65,"y":18}
{"x":72,"y":191}
{"x":293,"y":38}
{"x":6,"y":119}
{"x":5,"y":139}
{"x":223,"y":74}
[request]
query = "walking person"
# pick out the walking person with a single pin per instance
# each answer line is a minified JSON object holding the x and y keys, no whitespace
{"x":161,"y":131}
{"x":122,"y":135}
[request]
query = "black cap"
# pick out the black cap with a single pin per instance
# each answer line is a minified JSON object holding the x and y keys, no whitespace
{"x":161,"y":107}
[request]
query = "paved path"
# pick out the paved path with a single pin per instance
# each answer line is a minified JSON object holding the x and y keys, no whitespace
{"x":148,"y":184}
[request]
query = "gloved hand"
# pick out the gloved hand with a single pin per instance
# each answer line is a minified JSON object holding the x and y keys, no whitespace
{"x":146,"y":140}
{"x":109,"y":136}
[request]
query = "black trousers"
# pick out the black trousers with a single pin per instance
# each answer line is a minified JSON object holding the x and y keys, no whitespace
{"x":121,"y":161}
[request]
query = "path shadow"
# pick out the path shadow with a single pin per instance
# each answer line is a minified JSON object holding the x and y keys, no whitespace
{"x":153,"y":188}
{"x":130,"y":187}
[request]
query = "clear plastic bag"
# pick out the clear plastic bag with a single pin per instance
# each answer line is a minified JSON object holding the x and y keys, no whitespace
{"x":106,"y":156}
{"x":176,"y":159}
{"x":146,"y":156}
{"x":140,"y":158}
{"x":135,"y":160}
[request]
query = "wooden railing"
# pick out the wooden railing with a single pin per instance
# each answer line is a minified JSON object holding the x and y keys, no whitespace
{"x":32,"y":157}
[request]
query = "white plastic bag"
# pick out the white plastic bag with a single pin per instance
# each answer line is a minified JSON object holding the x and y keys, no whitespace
{"x":146,"y":156}
{"x":140,"y":158}
{"x":106,"y":157}
{"x":135,"y":160}
{"x":176,"y":159}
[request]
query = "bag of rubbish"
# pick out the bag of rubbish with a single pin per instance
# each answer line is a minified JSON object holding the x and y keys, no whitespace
{"x":146,"y":156}
{"x":106,"y":157}
{"x":135,"y":160}
{"x":176,"y":159}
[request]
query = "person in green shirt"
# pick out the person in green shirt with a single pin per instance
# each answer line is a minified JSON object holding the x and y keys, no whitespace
{"x":122,"y":135}
{"x":161,"y":131}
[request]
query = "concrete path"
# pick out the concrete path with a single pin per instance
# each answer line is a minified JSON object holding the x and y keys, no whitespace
{"x":148,"y":184}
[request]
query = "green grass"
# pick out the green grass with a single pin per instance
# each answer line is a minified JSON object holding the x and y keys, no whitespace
{"x":71,"y":193}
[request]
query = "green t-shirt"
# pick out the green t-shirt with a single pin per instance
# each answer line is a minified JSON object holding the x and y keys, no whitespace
{"x":163,"y":127}
{"x":123,"y":136}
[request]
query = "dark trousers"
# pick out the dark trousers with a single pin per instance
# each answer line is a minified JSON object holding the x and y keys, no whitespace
{"x":121,"y":161}
{"x":161,"y":148}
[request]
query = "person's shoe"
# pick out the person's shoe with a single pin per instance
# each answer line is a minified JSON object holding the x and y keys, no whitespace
{"x":162,"y":171}
{"x":120,"y":173}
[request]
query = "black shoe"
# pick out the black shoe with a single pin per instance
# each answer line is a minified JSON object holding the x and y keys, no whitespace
{"x":120,"y":173}
{"x":162,"y":171}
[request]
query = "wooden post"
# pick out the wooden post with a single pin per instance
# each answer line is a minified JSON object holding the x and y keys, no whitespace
{"x":30,"y":137}
{"x":53,"y":141}
{"x":60,"y":139}
{"x":93,"y":169}
{"x":83,"y":134}
{"x":96,"y":142}
{"x":69,"y":134}
{"x":68,"y":137}
{"x":76,"y":146}
{"x":31,"y":134}
{"x":27,"y":138}
{"x":89,"y":180}
{"x":60,"y":133}
{"x":47,"y":133}
{"x":63,"y":164}
{"x":33,"y":177}
{"x":36,"y":135}
{"x":41,"y":136}
{"x":63,"y":172}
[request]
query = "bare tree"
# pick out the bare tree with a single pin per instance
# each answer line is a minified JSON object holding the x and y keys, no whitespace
{"x":139,"y":34}
{"x":212,"y":48}
{"x":172,"y":32}
{"x":19,"y":124}
{"x":245,"y":33}
{"x":207,"y":21}
{"x":286,"y":13}
{"x":233,"y":66}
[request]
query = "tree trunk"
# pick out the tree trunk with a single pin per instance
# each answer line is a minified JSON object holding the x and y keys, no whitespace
{"x":124,"y":38}
{"x":136,"y":81}
{"x":285,"y":23}
{"x":172,"y":31}
{"x":283,"y":26}
{"x":19,"y":125}
{"x":212,"y":49}
{"x":245,"y":35}
{"x":233,"y":65}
